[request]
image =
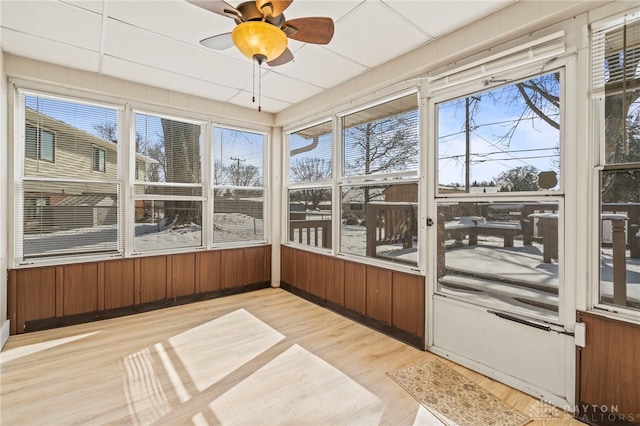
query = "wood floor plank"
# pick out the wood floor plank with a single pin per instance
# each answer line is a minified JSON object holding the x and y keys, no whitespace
{"x":264,"y":357}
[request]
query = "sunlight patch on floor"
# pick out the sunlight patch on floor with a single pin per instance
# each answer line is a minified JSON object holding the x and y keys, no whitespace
{"x":216,"y":348}
{"x":16,"y":353}
{"x":298,"y":386}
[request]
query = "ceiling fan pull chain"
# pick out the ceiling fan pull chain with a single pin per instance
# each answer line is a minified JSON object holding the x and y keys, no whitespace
{"x":259,"y":86}
{"x":253,"y":83}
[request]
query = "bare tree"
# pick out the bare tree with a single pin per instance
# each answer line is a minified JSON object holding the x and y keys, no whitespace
{"x":312,"y":170}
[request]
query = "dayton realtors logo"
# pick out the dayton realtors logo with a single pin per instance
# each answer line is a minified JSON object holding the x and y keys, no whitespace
{"x":587,"y":413}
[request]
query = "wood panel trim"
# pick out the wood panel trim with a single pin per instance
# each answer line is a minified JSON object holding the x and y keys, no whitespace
{"x":608,"y":367}
{"x":12,"y":298}
{"x":59,"y":291}
{"x":101,"y":295}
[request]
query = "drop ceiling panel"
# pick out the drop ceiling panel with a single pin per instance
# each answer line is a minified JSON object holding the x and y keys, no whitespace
{"x":160,"y":78}
{"x":310,"y":65}
{"x":139,"y":46}
{"x":51,"y":20}
{"x":287,"y":89}
{"x":45,"y":50}
{"x":243,"y":99}
{"x":373,"y":34}
{"x":443,"y":16}
{"x":190,"y":23}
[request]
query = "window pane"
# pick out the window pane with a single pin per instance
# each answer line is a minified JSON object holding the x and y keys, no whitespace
{"x":382,"y":139}
{"x":238,"y":157}
{"x":238,"y":216}
{"x":167,"y":225}
{"x":620,"y":238}
{"x":380,"y":221}
{"x":62,"y":133}
{"x":69,"y":218}
{"x":310,"y":154}
{"x":501,"y":255}
{"x":47,"y":146}
{"x":310,"y":217}
{"x":170,"y":148}
{"x":504,"y":139}
{"x":98,"y":160}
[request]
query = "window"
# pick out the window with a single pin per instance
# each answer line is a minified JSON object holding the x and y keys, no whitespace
{"x":378,"y":181}
{"x":238,"y":204}
{"x":39,"y":143}
{"x":309,"y":191}
{"x":169,"y":199}
{"x":64,"y":209}
{"x":615,"y":56}
{"x":499,"y":198}
{"x":98,"y":159}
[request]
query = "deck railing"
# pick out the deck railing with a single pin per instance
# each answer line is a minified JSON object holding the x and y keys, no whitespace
{"x":314,"y":232}
{"x":390,"y":223}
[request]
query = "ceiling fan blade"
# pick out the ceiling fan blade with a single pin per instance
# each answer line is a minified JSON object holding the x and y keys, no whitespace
{"x":318,"y":30}
{"x":218,"y":42}
{"x":220,"y":7}
{"x":273,"y":7}
{"x":286,"y":56}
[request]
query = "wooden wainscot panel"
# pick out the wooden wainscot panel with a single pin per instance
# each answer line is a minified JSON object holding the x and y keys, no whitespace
{"x":209,"y":271}
{"x":355,"y":286}
{"x":317,"y":275}
{"x":34,"y":292}
{"x":301,"y":269}
{"x":80,"y":288}
{"x":119,"y":281}
{"x":254,"y":265}
{"x":408,"y":312}
{"x":334,"y":278}
{"x":153,"y":278}
{"x":379,"y":294}
{"x":287,"y":265}
{"x":232,"y":268}
{"x":183,"y":274}
{"x":610,"y":366}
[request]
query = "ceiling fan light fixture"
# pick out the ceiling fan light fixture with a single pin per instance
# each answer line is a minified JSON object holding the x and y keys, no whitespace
{"x":258,"y":40}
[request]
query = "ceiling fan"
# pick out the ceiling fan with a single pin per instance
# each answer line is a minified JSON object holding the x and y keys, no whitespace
{"x":261,"y":30}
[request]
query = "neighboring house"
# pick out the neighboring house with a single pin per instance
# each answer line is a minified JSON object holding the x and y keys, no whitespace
{"x":57,"y":150}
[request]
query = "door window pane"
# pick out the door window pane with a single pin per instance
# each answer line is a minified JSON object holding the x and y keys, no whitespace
{"x":506,"y":139}
{"x":502,"y":255}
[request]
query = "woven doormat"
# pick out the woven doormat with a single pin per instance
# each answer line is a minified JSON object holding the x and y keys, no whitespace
{"x":454,"y":399}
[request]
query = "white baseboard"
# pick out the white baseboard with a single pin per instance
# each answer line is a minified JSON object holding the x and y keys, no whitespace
{"x":4,"y":333}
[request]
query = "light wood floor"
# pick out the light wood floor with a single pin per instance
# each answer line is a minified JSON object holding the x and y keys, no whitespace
{"x":260,"y":358}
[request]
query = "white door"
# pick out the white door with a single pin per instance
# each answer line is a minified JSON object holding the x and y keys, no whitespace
{"x":499,"y":303}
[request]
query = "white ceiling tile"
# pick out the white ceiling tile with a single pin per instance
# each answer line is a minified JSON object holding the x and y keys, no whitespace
{"x":287,"y":89}
{"x":373,"y":34}
{"x":267,"y":104}
{"x":33,"y":47}
{"x":310,"y":64}
{"x":139,"y":46}
{"x":52,"y":20}
{"x":442,"y":16}
{"x":164,"y":79}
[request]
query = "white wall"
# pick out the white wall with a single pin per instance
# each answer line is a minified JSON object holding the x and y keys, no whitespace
{"x":4,"y":322}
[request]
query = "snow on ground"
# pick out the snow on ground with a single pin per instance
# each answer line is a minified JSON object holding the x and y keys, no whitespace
{"x":228,"y":227}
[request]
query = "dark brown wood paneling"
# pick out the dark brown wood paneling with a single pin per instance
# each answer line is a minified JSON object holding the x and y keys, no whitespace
{"x":301,"y":268}
{"x":183,"y":274}
{"x":254,"y":264}
{"x":80,"y":283}
{"x":35,"y":298}
{"x":59,"y":291}
{"x":408,"y":312}
{"x":118,"y":283}
{"x":317,"y":275}
{"x":609,"y":365}
{"x":355,"y":287}
{"x":287,"y":264}
{"x":232,"y":268}
{"x":153,"y":278}
{"x":379,"y":294}
{"x":334,"y":274}
{"x":209,"y":271}
{"x":100,"y":286}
